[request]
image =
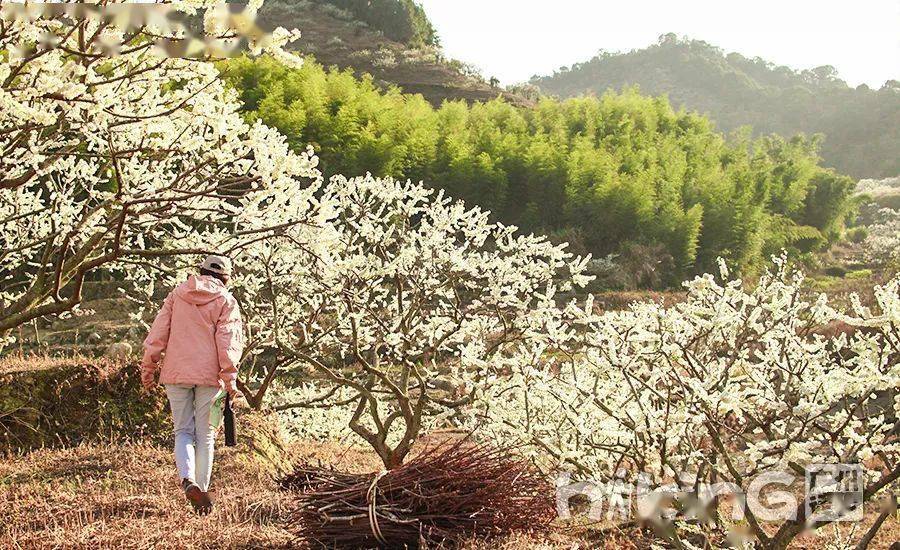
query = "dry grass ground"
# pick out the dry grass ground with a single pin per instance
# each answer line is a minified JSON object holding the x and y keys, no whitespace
{"x":17,"y":363}
{"x":126,"y":496}
{"x":112,"y":496}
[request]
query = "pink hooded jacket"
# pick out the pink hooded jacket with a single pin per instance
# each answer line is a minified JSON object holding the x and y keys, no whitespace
{"x":199,"y":329}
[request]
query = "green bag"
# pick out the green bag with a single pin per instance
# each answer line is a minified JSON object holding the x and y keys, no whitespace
{"x":217,"y":410}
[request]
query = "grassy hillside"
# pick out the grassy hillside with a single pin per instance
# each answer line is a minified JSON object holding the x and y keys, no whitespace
{"x":861,"y":125}
{"x":349,"y":39}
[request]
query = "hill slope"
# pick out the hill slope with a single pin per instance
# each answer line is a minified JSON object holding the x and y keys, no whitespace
{"x":338,"y":37}
{"x":862,"y":126}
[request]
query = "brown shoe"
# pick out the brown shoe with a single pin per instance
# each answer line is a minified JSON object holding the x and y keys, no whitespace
{"x":209,"y":504}
{"x":198,"y":499}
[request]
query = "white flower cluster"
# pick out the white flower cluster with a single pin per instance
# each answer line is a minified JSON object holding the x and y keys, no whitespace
{"x":404,"y":298}
{"x":114,"y":154}
{"x":882,"y":245}
{"x":411,"y":310}
{"x":731,"y":381}
{"x":874,"y":188}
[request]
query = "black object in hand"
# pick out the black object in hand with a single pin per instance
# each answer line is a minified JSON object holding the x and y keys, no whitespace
{"x":230,"y":433}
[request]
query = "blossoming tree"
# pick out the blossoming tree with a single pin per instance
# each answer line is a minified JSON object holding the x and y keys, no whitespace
{"x":115,"y":153}
{"x":724,"y":387}
{"x":401,"y":302}
{"x":882,"y":245}
{"x":409,"y":308}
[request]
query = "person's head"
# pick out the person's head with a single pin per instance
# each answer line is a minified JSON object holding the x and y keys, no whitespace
{"x":218,"y":267}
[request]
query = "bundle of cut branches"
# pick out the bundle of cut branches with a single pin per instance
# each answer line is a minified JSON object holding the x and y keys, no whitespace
{"x":444,"y":495}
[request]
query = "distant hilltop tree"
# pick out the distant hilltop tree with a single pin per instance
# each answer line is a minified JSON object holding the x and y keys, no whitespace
{"x":401,"y":20}
{"x":861,"y":125}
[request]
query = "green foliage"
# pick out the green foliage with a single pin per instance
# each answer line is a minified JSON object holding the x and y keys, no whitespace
{"x":828,"y":204}
{"x":630,"y":174}
{"x":860,"y":274}
{"x":860,"y":124}
{"x":401,"y":20}
{"x":66,"y":402}
{"x":857,"y":235}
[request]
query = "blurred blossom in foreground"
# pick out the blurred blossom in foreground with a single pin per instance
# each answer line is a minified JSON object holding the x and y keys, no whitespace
{"x":175,"y":29}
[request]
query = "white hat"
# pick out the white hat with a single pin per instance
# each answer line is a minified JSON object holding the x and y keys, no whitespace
{"x":217,"y":264}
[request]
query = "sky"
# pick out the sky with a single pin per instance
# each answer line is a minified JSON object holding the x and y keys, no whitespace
{"x":515,"y":39}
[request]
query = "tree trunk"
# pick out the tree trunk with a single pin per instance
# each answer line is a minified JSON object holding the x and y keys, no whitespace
{"x":392,"y":460}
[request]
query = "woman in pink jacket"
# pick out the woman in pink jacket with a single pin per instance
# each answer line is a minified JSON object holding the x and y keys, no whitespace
{"x":199,"y":332}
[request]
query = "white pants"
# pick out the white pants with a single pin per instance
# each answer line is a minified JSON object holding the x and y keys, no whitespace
{"x":193,"y":437}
